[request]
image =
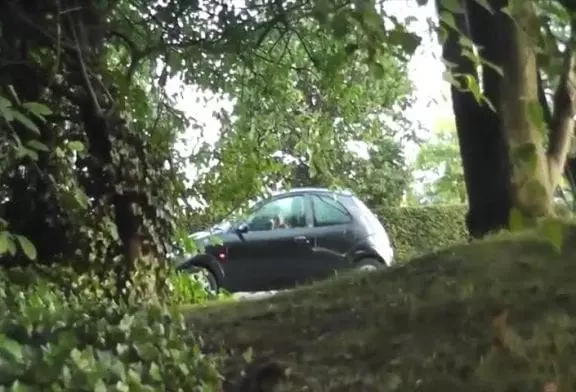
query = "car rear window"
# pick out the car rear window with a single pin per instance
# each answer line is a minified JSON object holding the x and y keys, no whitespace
{"x":367,"y":214}
{"x":328,"y":211}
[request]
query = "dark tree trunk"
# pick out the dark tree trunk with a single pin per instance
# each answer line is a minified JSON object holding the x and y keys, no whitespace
{"x":482,"y":144}
{"x":570,"y":173}
{"x":30,"y":207}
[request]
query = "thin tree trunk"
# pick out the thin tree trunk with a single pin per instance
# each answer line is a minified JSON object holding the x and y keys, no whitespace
{"x":536,"y":171}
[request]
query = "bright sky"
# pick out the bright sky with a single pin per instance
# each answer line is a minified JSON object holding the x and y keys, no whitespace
{"x":425,"y":71}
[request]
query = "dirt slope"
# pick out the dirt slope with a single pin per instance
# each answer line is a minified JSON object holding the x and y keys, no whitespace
{"x":497,"y":315}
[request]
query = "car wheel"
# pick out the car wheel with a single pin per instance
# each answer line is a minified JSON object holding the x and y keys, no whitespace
{"x":368,"y":265}
{"x":206,"y":279}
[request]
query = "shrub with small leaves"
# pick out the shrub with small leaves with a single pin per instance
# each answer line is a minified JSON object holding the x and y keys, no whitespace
{"x":415,"y":231}
{"x":51,"y":340}
{"x":187,"y":289}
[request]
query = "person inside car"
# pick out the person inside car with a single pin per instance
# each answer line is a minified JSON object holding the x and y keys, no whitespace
{"x":279,"y":222}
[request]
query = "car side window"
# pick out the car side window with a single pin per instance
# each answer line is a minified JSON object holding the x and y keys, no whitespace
{"x":328,"y":212}
{"x":284,"y":213}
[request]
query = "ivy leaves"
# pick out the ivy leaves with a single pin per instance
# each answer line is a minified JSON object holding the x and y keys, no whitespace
{"x":14,"y":148}
{"x":10,"y":242}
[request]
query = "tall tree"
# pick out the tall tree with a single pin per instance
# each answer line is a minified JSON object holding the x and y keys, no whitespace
{"x":299,"y":104}
{"x":514,"y":146}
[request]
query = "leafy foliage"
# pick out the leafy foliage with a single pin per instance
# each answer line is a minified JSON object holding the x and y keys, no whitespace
{"x":108,"y":183}
{"x":13,"y":148}
{"x":54,"y":340}
{"x":438,"y":169}
{"x":299,"y":103}
{"x":187,"y":288}
{"x":381,"y":179}
{"x":415,"y":231}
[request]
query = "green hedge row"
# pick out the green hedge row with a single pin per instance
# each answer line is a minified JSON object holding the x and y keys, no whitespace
{"x":418,"y":230}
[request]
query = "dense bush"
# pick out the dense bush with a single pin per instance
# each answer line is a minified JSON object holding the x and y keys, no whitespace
{"x":418,"y":230}
{"x":187,"y":288}
{"x":52,"y":340}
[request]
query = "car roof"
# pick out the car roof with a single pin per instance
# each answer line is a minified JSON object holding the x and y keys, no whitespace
{"x":311,"y":190}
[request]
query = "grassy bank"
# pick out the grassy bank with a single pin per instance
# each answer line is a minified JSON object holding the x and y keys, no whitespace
{"x":497,"y":315}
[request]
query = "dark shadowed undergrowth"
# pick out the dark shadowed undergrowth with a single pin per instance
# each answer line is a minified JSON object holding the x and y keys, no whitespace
{"x":496,"y":315}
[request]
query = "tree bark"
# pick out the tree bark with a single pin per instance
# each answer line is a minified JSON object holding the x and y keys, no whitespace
{"x":522,"y":109}
{"x":562,"y":120}
{"x":519,"y":101}
{"x":503,"y":147}
{"x":482,"y":146}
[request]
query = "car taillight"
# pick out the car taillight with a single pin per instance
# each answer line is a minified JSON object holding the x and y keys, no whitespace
{"x":222,"y":254}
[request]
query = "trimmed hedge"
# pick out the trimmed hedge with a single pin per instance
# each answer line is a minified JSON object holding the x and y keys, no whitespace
{"x":418,"y":230}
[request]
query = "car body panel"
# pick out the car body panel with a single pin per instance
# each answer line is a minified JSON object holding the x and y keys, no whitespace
{"x":266,"y":260}
{"x":332,"y":245}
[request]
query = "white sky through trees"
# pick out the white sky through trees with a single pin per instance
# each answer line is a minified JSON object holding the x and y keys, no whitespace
{"x":425,"y":70}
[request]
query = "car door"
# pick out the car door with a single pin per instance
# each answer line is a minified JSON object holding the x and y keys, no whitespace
{"x":334,"y":233}
{"x":268,"y":255}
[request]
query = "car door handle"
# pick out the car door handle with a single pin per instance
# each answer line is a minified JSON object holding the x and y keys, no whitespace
{"x":301,"y":239}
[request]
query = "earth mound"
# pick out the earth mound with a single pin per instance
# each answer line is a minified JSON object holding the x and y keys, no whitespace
{"x":494,"y":315}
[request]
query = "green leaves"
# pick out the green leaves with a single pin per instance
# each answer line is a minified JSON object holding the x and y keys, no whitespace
{"x":550,"y":229}
{"x":38,"y":146}
{"x":27,"y":247}
{"x":303,"y":102}
{"x":453,"y":6}
{"x":474,"y":87}
{"x":10,"y":113}
{"x":340,"y":24}
{"x":484,"y":4}
{"x":553,"y":230}
{"x":408,"y":41}
{"x":27,"y":122}
{"x":76,"y":146}
{"x":38,"y":109}
{"x":6,"y":109}
{"x":415,"y":231}
{"x":438,"y":172}
{"x":81,"y":341}
{"x":516,"y":220}
{"x":10,"y":349}
{"x":448,"y":19}
{"x":8,"y":243}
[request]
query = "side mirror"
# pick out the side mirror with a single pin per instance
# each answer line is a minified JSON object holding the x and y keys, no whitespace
{"x":242,"y":228}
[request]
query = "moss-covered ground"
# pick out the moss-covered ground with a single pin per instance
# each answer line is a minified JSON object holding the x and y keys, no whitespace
{"x":495,"y":315}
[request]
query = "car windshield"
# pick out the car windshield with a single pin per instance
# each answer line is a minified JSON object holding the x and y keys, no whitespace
{"x":235,"y":218}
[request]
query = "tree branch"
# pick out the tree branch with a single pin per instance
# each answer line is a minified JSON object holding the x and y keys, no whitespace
{"x":562,"y":127}
{"x":546,"y":111}
{"x":135,"y":53}
{"x":86,"y":75}
{"x":87,"y":84}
